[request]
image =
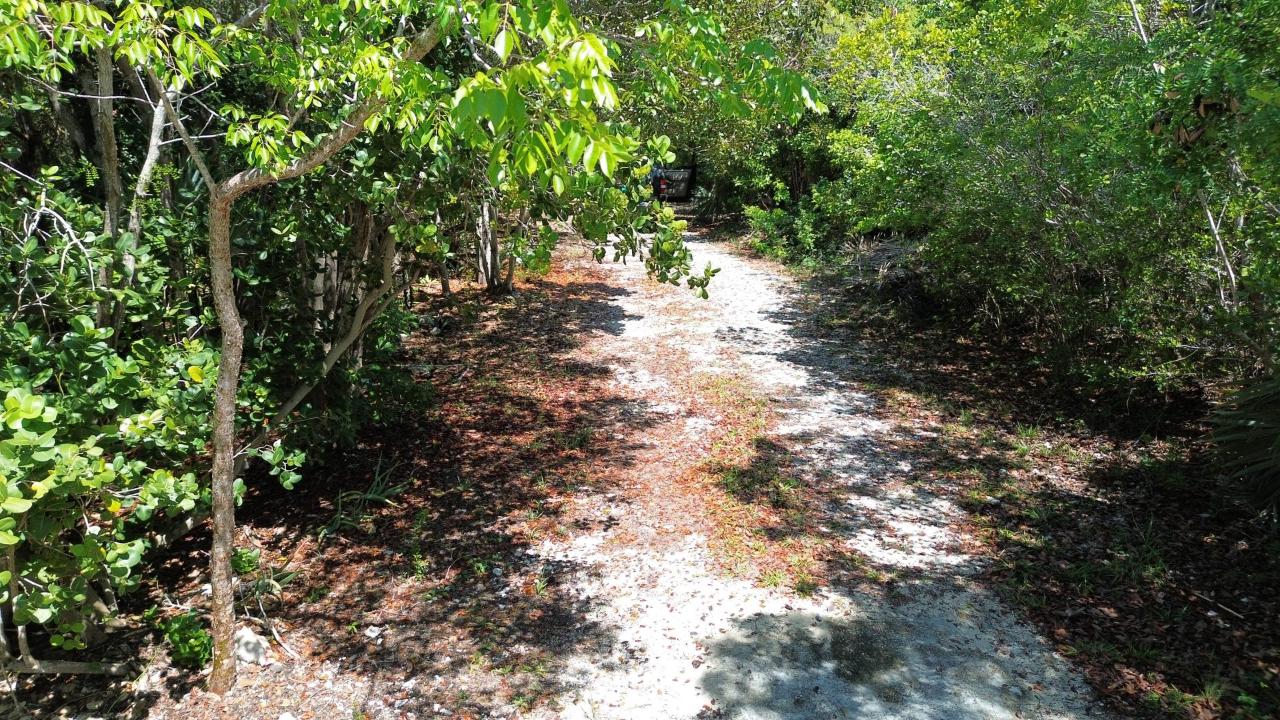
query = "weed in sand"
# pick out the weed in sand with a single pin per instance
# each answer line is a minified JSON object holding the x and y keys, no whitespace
{"x":540,"y":586}
{"x":773,"y":578}
{"x":353,"y":508}
{"x":804,"y":585}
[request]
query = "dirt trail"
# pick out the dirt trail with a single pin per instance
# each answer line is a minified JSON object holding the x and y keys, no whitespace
{"x":685,"y":641}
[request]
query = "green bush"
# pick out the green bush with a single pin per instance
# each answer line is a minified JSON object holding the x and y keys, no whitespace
{"x":1108,"y":199}
{"x":245,"y":561}
{"x":100,"y":429}
{"x":190,"y":644}
{"x":770,"y":230}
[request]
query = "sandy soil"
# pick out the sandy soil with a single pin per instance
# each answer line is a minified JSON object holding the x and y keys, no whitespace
{"x":687,"y":641}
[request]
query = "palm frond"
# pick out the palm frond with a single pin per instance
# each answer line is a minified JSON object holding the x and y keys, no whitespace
{"x":1247,"y":432}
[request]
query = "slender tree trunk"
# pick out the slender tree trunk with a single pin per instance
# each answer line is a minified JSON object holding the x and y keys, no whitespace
{"x":142,"y":190}
{"x":488,"y":253}
{"x":442,"y":269}
{"x":495,"y":256}
{"x":482,"y":246}
{"x":109,"y":164}
{"x":357,"y":324}
{"x":224,"y":444}
{"x":69,"y":122}
{"x":222,"y":197}
{"x":508,"y":282}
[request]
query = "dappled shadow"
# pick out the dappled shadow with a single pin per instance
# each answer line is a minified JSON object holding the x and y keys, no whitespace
{"x":1154,"y":576}
{"x":804,"y":664}
{"x":1099,"y":517}
{"x":880,"y":491}
{"x":870,"y":482}
{"x":440,"y":597}
{"x":425,"y":593}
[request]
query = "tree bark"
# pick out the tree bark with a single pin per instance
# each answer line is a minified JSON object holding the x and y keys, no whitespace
{"x":442,"y":269}
{"x":488,"y":254}
{"x":222,"y":612}
{"x":142,"y":189}
{"x":355,"y":329}
{"x":509,"y":280}
{"x":109,"y":163}
{"x":69,"y":122}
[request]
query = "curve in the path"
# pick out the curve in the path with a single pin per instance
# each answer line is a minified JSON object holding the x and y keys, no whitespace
{"x":688,"y":642}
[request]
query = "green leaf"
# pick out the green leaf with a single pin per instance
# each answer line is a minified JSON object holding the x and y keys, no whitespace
{"x":1267,"y":96}
{"x":606,"y":163}
{"x":492,"y":104}
{"x":82,"y":324}
{"x":15,"y":505}
{"x":504,"y":43}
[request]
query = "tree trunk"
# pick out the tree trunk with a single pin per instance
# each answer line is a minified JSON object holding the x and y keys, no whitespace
{"x":356,"y":326}
{"x":141,"y":192}
{"x":508,"y":281}
{"x":108,"y":162}
{"x":68,"y":121}
{"x":488,"y":255}
{"x":442,"y":269}
{"x":222,"y":197}
{"x":223,"y":613}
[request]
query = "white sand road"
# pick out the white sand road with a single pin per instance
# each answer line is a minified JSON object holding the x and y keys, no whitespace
{"x":687,"y":642}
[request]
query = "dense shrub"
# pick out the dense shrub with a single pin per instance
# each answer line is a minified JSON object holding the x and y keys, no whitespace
{"x":102,"y":426}
{"x":1103,"y":186}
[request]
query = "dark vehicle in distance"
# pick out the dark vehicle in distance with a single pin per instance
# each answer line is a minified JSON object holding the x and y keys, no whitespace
{"x":672,"y":183}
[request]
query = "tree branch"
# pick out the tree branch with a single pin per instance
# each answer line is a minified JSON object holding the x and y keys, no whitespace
{"x":247,"y":180}
{"x":166,"y":98}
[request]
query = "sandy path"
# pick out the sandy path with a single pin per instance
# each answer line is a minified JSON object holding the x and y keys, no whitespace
{"x":686,"y":642}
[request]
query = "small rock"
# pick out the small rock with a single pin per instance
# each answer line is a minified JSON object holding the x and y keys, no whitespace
{"x":146,"y":682}
{"x":372,"y":632}
{"x":251,"y":647}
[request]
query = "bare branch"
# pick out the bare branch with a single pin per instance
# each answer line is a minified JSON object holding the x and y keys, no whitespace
{"x":166,"y":98}
{"x":1137,"y":20}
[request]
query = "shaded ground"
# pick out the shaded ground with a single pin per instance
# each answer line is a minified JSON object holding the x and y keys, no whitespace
{"x":628,"y":503}
{"x":1110,"y":525}
{"x":421,"y":596}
